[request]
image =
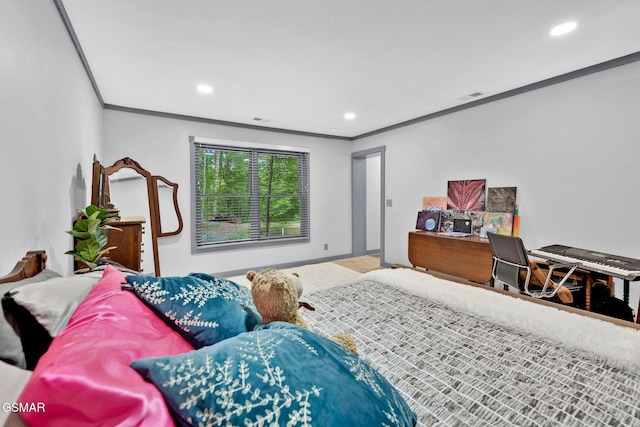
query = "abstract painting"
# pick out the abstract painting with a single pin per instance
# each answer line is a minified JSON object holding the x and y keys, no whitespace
{"x":434,"y":202}
{"x":478,"y":220}
{"x":447,"y":217}
{"x":501,"y":199}
{"x":428,"y":220}
{"x":501,"y":222}
{"x":466,"y":195}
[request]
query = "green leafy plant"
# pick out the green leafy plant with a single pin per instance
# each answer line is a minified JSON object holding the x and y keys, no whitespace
{"x":91,"y":241}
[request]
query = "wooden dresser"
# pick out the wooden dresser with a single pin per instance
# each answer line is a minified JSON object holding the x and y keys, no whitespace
{"x":466,"y":257}
{"x":128,"y":242}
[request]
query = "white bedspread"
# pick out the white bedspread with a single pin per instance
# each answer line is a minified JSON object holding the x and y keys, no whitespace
{"x":467,"y":356}
{"x":617,"y":344}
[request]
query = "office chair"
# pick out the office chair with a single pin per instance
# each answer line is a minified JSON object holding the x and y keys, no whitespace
{"x":512,"y":266}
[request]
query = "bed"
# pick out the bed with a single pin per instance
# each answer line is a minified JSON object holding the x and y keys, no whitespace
{"x":437,"y":351}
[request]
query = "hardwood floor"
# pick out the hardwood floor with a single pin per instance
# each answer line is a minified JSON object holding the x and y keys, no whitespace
{"x":361,"y":264}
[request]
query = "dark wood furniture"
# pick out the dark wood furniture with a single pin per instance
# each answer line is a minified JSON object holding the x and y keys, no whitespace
{"x":128,"y":242}
{"x":466,"y":257}
{"x":30,"y":265}
{"x":100,"y":197}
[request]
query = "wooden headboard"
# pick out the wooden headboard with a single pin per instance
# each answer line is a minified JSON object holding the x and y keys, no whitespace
{"x":30,"y":265}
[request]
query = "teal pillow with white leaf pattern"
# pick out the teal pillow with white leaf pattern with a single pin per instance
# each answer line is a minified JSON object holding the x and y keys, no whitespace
{"x":277,"y":375}
{"x":202,"y":308}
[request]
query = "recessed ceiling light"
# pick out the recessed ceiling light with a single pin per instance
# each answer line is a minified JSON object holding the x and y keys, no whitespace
{"x":350,"y":116}
{"x":563,"y":29}
{"x":205,"y":88}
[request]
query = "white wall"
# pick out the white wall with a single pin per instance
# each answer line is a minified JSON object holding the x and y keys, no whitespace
{"x":161,"y":145}
{"x":571,"y":149}
{"x":50,"y":126}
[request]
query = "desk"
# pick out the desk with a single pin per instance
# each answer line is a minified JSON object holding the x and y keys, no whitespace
{"x":466,"y":257}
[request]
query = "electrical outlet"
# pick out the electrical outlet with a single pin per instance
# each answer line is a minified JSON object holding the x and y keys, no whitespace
{"x":389,"y":203}
{"x":326,"y":246}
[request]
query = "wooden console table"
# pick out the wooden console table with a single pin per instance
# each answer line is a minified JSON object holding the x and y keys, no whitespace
{"x":466,"y":257}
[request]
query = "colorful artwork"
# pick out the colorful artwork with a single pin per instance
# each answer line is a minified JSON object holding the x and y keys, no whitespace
{"x":501,"y":199}
{"x":477,"y":218}
{"x":428,"y":220}
{"x":447,"y":217}
{"x":466,"y":195}
{"x":516,"y":225}
{"x":501,"y":222}
{"x":516,"y":222}
{"x":434,"y":202}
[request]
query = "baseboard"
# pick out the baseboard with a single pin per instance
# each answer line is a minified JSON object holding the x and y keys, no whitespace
{"x":280,"y":266}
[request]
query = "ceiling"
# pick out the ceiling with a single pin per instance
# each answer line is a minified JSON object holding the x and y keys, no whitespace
{"x":301,"y":65}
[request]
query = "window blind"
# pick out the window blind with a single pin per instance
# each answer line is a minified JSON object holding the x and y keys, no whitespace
{"x":248,"y":196}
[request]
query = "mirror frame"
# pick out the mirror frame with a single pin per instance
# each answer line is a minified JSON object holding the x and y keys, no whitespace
{"x":101,"y":196}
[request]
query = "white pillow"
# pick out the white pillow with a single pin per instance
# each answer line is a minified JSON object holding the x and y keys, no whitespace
{"x":53,"y":302}
{"x":10,"y":346}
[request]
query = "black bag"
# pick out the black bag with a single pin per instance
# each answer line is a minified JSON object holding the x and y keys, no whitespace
{"x":614,"y":307}
{"x":603,"y":303}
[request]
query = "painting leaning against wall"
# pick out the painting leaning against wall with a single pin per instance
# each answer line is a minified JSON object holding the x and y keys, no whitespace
{"x":467,"y":195}
{"x":501,"y":199}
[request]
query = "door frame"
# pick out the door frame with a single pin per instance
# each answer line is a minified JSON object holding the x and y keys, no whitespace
{"x":359,"y":201}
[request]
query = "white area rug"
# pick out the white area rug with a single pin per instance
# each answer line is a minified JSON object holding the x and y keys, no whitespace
{"x":314,"y":276}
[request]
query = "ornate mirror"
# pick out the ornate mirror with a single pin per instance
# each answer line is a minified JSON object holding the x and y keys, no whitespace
{"x":153,"y":194}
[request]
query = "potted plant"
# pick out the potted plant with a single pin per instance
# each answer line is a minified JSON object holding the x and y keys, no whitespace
{"x":88,"y":230}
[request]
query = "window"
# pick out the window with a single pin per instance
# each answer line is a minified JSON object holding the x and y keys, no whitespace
{"x":248,"y":194}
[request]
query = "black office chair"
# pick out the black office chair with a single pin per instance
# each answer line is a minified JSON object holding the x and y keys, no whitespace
{"x":511,"y":266}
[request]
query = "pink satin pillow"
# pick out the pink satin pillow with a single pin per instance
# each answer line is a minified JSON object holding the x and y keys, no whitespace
{"x":85,"y":379}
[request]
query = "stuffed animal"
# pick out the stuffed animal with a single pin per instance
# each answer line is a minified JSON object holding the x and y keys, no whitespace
{"x":276,"y":296}
{"x":345,"y":341}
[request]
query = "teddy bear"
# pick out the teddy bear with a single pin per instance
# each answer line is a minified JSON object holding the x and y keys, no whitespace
{"x":276,"y":296}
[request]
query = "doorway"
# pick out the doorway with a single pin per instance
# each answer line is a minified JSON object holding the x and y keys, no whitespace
{"x":367,"y":202}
